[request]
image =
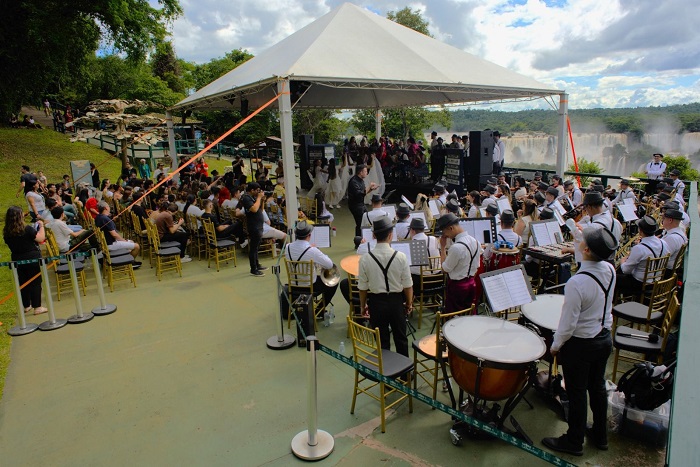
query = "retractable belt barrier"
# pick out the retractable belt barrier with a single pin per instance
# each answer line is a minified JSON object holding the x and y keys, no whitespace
{"x":454,"y":413}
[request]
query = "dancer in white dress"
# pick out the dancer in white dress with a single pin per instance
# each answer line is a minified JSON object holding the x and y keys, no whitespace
{"x":334,"y":187}
{"x":319,"y":175}
{"x":347,"y":170}
{"x":375,"y":175}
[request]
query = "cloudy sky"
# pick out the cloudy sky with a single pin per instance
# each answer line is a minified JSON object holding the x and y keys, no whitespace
{"x":604,"y":53}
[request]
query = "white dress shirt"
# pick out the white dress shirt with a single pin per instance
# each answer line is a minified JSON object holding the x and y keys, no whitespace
{"x":371,"y":277}
{"x":402,"y":229}
{"x":675,"y":238}
{"x":637,"y":260}
{"x":622,"y":195}
{"x":605,"y":220}
{"x":655,"y":170}
{"x":432,"y":245}
{"x":585,"y":311}
{"x":295,"y":252}
{"x":460,"y":263}
{"x":369,"y":217}
{"x":575,"y":197}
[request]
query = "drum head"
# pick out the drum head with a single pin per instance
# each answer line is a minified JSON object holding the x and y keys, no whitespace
{"x":494,"y":339}
{"x":544,"y":310}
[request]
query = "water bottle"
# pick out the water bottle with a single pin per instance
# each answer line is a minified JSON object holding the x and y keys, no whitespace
{"x":341,"y":348}
{"x":331,"y":317}
{"x":326,"y":319}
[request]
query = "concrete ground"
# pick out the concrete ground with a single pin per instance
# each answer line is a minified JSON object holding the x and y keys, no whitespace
{"x":181,"y":375}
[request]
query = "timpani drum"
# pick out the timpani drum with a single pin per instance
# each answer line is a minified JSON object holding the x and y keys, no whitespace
{"x":544,"y":312}
{"x":490,"y":358}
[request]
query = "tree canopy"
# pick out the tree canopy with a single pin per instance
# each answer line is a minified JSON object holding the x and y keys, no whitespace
{"x":45,"y":43}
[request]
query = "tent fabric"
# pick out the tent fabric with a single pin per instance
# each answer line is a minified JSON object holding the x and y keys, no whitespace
{"x":353,"y":58}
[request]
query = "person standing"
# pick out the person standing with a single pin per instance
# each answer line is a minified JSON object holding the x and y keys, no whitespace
{"x":655,"y":172}
{"x":386,"y":288}
{"x":460,"y":263}
{"x":499,"y":152}
{"x":302,"y":250}
{"x":356,"y":196}
{"x":23,"y":242}
{"x":583,"y":344}
{"x":252,"y":202}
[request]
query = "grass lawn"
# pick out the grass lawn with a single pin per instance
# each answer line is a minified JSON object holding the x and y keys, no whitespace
{"x":51,"y":153}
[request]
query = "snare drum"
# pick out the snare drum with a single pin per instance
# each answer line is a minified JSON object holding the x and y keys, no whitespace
{"x":544,"y":312}
{"x":497,"y":352}
{"x":504,"y":257}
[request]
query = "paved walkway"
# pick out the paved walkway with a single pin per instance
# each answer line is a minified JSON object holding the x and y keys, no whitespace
{"x":180,"y":375}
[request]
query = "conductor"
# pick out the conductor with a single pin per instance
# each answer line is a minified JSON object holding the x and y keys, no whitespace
{"x":582,"y":342}
{"x":356,"y":196}
{"x":386,"y":288}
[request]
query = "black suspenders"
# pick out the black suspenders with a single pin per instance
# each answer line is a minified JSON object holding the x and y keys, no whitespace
{"x":289,"y":253}
{"x":652,"y":251}
{"x":385,"y":270}
{"x":471,"y":260}
{"x":606,"y":292}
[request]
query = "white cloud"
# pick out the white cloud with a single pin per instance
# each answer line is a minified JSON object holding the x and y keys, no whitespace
{"x":603,"y":52}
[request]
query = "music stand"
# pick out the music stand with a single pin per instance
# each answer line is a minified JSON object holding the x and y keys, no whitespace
{"x":507,"y":288}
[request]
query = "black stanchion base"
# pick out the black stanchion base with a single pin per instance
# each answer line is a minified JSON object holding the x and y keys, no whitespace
{"x":275,"y":344}
{"x":107,"y":310}
{"x":28,"y":329}
{"x":75,"y":319}
{"x":323,"y":448}
{"x":49,"y":326}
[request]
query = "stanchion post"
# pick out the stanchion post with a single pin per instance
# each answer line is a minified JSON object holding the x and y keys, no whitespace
{"x":24,"y":327}
{"x":52,"y":323}
{"x":281,"y":341}
{"x":312,"y":444}
{"x":79,"y":317}
{"x":104,"y":308}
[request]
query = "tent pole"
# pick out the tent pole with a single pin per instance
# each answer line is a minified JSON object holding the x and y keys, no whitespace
{"x":290,"y":182}
{"x":378,"y":123}
{"x":172,"y":150}
{"x":561,"y":133}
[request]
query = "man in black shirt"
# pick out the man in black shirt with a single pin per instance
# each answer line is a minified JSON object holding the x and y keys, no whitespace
{"x":252,"y":202}
{"x":356,"y":196}
{"x":26,"y":181}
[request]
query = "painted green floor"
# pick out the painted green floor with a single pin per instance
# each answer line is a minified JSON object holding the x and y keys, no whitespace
{"x":180,"y":375}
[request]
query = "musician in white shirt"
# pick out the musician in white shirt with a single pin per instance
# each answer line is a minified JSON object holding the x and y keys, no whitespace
{"x":506,"y":234}
{"x":499,"y":152}
{"x":625,"y":193}
{"x":655,"y":169}
{"x":369,"y":217}
{"x":403,"y":222}
{"x":583,"y":345}
{"x":674,"y":236}
{"x":573,"y":192}
{"x":460,"y":263}
{"x":632,"y":267}
{"x":301,"y":250}
{"x":678,"y":185}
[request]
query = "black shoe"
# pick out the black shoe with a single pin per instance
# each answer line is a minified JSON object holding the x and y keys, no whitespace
{"x":262,"y":268}
{"x":257,"y":273}
{"x":562,"y":444}
{"x":601,"y":444}
{"x":136,"y":265}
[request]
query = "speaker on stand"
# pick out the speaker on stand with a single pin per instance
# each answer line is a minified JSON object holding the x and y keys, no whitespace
{"x":479,"y":163}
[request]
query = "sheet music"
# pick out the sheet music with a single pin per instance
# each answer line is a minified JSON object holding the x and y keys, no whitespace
{"x":628,"y":201}
{"x":321,"y":236}
{"x":480,"y":229}
{"x":559,"y":218}
{"x":546,"y":233}
{"x":405,"y":248}
{"x":432,"y":204}
{"x":410,"y":204}
{"x":390,"y":211}
{"x":507,"y":289}
{"x":503,"y":204}
{"x":558,"y":207}
{"x":628,"y":212}
{"x":420,"y":215}
{"x":367,"y":233}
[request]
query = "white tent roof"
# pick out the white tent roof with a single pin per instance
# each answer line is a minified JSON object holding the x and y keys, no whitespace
{"x":353,"y":58}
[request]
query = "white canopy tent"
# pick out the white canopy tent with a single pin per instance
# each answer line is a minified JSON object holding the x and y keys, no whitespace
{"x":351,"y":58}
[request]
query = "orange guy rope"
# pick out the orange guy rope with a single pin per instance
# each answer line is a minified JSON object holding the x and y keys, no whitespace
{"x":573,"y":150}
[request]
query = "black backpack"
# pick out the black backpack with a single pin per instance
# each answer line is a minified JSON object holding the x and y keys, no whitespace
{"x":644,"y":391}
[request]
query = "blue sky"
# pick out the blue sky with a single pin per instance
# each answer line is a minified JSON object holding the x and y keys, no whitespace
{"x":604,"y":53}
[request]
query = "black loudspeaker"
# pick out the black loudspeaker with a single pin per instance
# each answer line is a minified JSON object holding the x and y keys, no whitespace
{"x":304,"y":142}
{"x":244,"y":108}
{"x":479,"y":164}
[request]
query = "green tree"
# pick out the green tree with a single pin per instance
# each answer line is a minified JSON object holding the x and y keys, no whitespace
{"x":322,"y":123}
{"x":411,"y":19}
{"x":682,"y":164}
{"x":214,"y":69}
{"x":166,"y":66}
{"x":587,"y":167}
{"x":43,"y":43}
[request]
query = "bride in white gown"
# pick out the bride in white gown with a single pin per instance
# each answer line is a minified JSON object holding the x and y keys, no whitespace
{"x":375,"y":175}
{"x":334,"y":189}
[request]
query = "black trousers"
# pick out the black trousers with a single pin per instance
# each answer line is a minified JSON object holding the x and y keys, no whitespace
{"x":626,"y":285}
{"x":180,"y":237}
{"x":234,"y":229}
{"x":387,"y":310}
{"x":254,"y":239}
{"x":584,"y":362}
{"x":357,"y":212}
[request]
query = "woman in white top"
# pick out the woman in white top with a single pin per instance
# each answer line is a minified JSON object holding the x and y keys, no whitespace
{"x":474,"y":198}
{"x":319,"y":176}
{"x":525,"y":215}
{"x":520,"y":187}
{"x":374,"y":175}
